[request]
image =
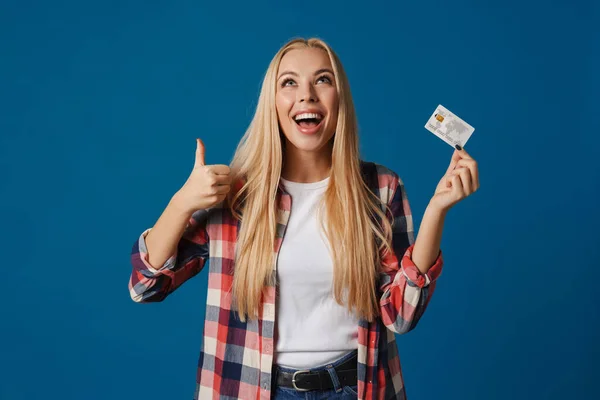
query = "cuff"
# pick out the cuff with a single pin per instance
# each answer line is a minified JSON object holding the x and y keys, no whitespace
{"x":414,"y":276}
{"x":151,"y":271}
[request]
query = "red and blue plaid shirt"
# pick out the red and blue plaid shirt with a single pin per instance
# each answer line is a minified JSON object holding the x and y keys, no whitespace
{"x":236,"y":358}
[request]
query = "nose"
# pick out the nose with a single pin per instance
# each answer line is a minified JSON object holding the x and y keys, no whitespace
{"x":307,"y":94}
{"x":308,"y":97}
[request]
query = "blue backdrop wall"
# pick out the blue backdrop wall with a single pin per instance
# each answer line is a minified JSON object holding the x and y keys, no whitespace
{"x":100,"y":103}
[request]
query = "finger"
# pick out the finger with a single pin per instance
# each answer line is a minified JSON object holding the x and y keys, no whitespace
{"x":453,"y":161}
{"x":448,"y":182}
{"x":221,"y":180}
{"x":472,"y":166}
{"x":219,"y":169}
{"x":465,"y":178}
{"x":220,"y":197}
{"x":475,"y":175}
{"x":463,"y":154}
{"x":452,"y":174}
{"x":199,"y":153}
{"x":456,"y":170}
{"x":223,"y":189}
{"x":457,"y":186}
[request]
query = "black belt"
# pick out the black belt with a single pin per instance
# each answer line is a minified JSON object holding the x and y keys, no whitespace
{"x":305,"y":380}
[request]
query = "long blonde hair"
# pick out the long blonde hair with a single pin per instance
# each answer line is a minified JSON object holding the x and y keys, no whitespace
{"x":348,"y":203}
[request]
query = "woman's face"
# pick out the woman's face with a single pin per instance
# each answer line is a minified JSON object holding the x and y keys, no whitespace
{"x":306,"y":99}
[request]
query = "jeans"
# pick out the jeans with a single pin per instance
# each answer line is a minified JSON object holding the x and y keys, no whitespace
{"x":338,"y":392}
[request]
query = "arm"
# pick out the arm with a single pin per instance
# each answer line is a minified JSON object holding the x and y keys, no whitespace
{"x":406,"y":288}
{"x":169,"y":254}
{"x":427,"y":246}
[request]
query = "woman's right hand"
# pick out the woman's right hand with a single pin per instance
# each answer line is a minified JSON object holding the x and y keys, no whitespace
{"x":206,"y":186}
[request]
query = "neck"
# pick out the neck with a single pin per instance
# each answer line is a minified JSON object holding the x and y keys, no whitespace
{"x":306,"y":166}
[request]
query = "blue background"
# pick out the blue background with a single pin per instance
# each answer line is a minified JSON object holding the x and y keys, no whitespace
{"x":100,"y":103}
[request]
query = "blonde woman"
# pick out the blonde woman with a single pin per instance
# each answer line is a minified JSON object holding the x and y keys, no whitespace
{"x":313,"y":266}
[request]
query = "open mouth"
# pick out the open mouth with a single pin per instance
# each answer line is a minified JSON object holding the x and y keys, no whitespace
{"x":308,"y":120}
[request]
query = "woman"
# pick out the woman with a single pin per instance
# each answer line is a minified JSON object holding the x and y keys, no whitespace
{"x":313,"y":263}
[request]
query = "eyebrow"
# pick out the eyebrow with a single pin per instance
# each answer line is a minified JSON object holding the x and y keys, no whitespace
{"x":317,"y":72}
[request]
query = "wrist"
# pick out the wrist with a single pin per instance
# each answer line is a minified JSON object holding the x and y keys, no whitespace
{"x":178,"y":206}
{"x":436,"y":210}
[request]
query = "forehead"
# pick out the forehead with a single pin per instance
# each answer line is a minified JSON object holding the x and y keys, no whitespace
{"x":305,"y":60}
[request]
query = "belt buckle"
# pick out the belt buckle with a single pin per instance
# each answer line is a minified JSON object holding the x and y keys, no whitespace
{"x":294,"y":380}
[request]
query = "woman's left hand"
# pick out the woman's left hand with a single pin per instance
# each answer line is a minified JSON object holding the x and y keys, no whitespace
{"x":460,"y":181}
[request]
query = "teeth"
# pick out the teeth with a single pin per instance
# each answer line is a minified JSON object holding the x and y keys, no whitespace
{"x":307,"y":116}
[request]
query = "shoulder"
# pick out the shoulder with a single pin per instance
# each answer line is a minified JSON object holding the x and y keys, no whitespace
{"x":381,"y":178}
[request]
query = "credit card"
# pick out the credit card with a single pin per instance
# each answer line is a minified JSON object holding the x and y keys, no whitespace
{"x":449,"y":127}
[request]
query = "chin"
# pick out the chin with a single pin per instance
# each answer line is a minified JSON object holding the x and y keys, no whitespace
{"x":308,"y":142}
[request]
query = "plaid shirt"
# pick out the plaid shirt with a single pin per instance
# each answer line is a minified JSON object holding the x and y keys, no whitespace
{"x":237,"y":357}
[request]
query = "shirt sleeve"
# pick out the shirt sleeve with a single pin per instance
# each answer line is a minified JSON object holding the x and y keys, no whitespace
{"x":406,"y":291}
{"x":149,"y":284}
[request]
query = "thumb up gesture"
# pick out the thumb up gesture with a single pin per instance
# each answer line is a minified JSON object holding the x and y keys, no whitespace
{"x":206,"y":186}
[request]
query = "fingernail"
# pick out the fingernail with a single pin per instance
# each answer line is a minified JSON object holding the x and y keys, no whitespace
{"x":458,"y":147}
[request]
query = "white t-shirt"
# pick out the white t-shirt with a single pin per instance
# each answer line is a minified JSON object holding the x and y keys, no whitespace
{"x":312,"y":328}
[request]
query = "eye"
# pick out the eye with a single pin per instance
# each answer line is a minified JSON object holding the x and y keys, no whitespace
{"x":286,"y":82}
{"x":324,"y":78}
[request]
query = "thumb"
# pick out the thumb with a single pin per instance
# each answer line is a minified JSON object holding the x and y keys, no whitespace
{"x":199,"y":153}
{"x":456,"y":157}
